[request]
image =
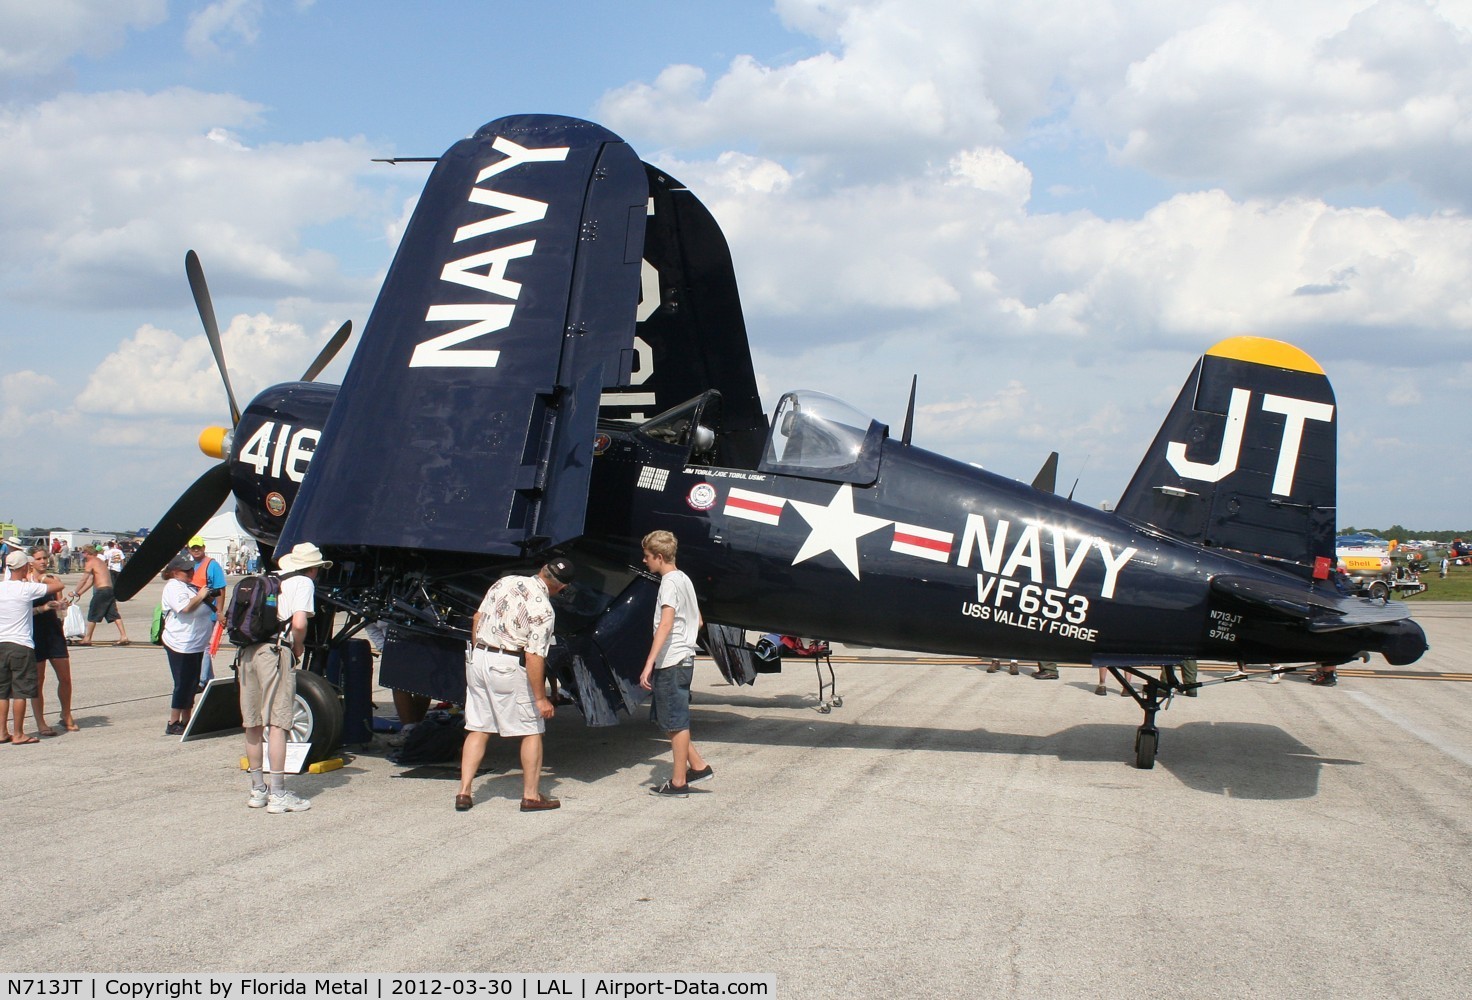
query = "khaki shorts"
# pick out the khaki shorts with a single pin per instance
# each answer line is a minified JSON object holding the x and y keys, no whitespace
{"x":19,"y":677}
{"x":498,"y":696}
{"x":267,"y":681}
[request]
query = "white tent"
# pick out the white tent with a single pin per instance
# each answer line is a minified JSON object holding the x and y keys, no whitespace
{"x":219,"y":531}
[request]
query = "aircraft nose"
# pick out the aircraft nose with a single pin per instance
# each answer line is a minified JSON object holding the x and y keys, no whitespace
{"x":215,"y":442}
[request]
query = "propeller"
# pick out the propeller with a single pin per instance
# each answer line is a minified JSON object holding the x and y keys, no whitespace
{"x":209,"y":492}
{"x":179,"y":524}
{"x":324,"y":358}
{"x":211,"y":328}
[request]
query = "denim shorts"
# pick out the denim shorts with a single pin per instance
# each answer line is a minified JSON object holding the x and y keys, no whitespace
{"x":670,"y":709}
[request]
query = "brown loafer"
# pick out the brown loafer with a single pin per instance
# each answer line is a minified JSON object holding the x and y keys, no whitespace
{"x":536,"y":805}
{"x":463,"y":803}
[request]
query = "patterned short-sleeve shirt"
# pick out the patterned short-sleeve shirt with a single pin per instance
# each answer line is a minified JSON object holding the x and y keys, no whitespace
{"x":517,"y":614}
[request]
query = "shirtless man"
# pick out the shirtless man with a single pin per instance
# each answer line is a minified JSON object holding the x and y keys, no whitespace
{"x":104,"y":606}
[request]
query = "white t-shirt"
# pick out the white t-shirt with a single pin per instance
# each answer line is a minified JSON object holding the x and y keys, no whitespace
{"x":676,"y":591}
{"x":187,"y":631}
{"x":115,"y":560}
{"x":15,"y":611}
{"x":298,"y":593}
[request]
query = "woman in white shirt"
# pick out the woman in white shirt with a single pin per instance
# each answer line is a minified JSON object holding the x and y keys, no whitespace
{"x":186,"y":635}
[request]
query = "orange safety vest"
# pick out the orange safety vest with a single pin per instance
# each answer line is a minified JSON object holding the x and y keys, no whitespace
{"x":201,"y":573}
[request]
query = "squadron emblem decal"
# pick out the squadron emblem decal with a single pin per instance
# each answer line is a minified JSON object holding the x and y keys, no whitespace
{"x":702,"y":496}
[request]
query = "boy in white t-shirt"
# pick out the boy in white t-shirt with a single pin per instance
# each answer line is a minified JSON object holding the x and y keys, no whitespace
{"x":670,"y":665}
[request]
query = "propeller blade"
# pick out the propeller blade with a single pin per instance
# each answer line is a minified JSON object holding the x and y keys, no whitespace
{"x":211,"y":328}
{"x":329,"y":352}
{"x":180,"y":523}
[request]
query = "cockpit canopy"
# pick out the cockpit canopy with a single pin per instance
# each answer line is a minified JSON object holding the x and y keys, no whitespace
{"x":820,"y":437}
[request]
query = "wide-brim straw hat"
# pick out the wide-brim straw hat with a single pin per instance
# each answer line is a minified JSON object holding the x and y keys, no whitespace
{"x":303,"y":555}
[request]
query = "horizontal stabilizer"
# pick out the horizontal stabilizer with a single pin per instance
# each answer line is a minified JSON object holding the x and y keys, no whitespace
{"x":1322,"y":610}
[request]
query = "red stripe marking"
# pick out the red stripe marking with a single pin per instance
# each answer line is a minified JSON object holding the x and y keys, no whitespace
{"x":920,"y":541}
{"x":756,"y":505}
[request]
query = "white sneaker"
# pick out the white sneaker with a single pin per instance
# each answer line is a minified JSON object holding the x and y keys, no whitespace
{"x":286,"y":802}
{"x":258,"y":797}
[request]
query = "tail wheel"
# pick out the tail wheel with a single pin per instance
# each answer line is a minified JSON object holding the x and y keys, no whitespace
{"x":318,"y":717}
{"x":1145,"y":742}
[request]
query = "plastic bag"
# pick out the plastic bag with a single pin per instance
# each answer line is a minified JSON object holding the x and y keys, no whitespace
{"x":75,"y":625}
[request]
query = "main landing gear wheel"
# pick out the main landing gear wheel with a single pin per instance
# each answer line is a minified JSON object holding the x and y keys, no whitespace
{"x":1146,"y":741}
{"x":318,"y":717}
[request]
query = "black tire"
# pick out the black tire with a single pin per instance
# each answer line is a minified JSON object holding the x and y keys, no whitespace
{"x":1145,"y":741}
{"x":318,"y":718}
{"x":1380,"y":591}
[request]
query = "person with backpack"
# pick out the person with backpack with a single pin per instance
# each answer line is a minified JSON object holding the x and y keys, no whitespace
{"x":268,"y":679}
{"x":186,"y":633}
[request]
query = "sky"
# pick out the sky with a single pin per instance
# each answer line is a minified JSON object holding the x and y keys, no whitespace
{"x":1045,"y":211}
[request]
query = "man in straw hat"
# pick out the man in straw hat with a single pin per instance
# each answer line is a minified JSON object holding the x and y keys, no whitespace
{"x":268,"y":683}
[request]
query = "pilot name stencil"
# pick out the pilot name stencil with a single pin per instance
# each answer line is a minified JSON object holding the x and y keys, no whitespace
{"x":486,"y":317}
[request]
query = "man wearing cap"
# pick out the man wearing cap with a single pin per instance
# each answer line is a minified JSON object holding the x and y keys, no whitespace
{"x":506,"y":678}
{"x":268,"y":683}
{"x":207,"y":576}
{"x":19,"y":679}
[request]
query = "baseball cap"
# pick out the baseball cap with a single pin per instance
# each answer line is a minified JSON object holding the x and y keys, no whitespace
{"x":180,"y":564}
{"x":19,"y":558}
{"x":562,"y":570}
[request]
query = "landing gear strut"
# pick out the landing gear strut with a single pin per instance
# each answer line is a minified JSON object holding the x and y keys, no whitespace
{"x":1153,"y":694}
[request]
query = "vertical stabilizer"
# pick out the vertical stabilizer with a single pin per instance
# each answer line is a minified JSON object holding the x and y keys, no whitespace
{"x":1246,"y":458}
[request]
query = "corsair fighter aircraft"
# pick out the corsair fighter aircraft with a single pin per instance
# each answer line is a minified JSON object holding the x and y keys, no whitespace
{"x":557,"y":363}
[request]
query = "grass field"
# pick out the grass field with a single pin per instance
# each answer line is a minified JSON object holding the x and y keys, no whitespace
{"x":1456,"y":587}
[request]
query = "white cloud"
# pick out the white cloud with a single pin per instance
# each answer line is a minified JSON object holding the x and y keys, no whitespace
{"x":157,"y":373}
{"x":102,"y":192}
{"x":237,"y":19}
{"x":1273,"y":104}
{"x":37,"y":38}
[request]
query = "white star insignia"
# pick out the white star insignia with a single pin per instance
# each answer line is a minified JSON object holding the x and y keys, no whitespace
{"x":835,"y":528}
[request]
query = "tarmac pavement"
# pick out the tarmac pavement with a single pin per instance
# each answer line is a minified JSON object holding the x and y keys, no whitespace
{"x":946,"y":832}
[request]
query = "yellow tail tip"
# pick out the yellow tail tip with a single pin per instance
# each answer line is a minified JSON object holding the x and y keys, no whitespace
{"x":1263,"y":351}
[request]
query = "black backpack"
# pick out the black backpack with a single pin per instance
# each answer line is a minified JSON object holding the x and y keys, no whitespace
{"x":250,"y":617}
{"x":438,"y":739}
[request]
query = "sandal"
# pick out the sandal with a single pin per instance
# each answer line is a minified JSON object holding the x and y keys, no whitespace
{"x":27,"y":741}
{"x":46,"y":732}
